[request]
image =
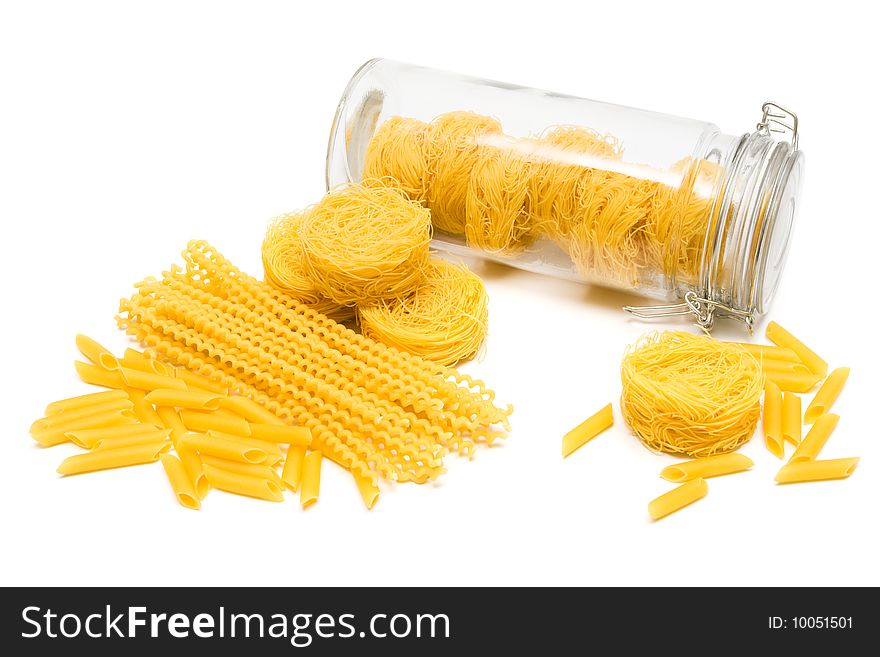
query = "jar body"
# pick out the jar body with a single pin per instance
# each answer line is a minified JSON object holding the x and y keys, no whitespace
{"x":555,"y":184}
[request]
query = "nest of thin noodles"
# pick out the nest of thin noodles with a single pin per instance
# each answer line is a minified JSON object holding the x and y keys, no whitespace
{"x":364,"y":243}
{"x":444,"y":320}
{"x":690,"y":394}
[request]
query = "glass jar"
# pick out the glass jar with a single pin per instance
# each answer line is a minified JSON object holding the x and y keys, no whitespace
{"x":667,"y":207}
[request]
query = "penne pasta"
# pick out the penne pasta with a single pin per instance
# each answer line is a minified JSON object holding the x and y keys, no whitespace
{"x":149,"y":380}
{"x":233,"y":482}
{"x":766,"y":352}
{"x":791,"y":418}
{"x":98,"y":376}
{"x":86,"y":438}
{"x":310,"y":483}
{"x":827,"y":394}
{"x":368,"y":490}
{"x":83,"y":401}
{"x":202,"y":422}
{"x":285,"y":435}
{"x":710,"y":466}
{"x":112,"y":458}
{"x":781,"y":337}
{"x":180,"y":482}
{"x":251,"y":410}
{"x":793,"y":381}
{"x":772,"y":419}
{"x":144,"y":411}
{"x":249,"y":469}
{"x":270,"y":448}
{"x":200,"y":400}
{"x":678,"y":498}
{"x":96,"y":353}
{"x":66,"y":417}
{"x":224,"y":447}
{"x":153,"y":437}
{"x":803,"y":471}
{"x":195,"y":472}
{"x":145,"y":364}
{"x":815,"y":439}
{"x":291,"y":474}
{"x":193,"y":380}
{"x":58,"y":434}
{"x":171,"y":420}
{"x":786,"y":368}
{"x":587,"y":430}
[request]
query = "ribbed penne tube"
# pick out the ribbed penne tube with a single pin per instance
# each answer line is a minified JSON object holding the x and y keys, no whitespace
{"x":264,"y":445}
{"x":224,"y":447}
{"x":772,"y":419}
{"x":195,"y":471}
{"x":827,"y":394}
{"x":98,"y":354}
{"x":232,"y":482}
{"x":199,"y":400}
{"x":310,"y":484}
{"x":767,"y":352}
{"x":781,"y":337}
{"x":86,"y":438}
{"x":194,"y":381}
{"x":794,"y":381}
{"x":251,"y":410}
{"x":149,"y":380}
{"x":154,"y":437}
{"x":776,"y":367}
{"x":792,"y":427}
{"x":66,"y":417}
{"x":171,"y":420}
{"x":58,"y":434}
{"x":291,"y":474}
{"x":815,"y":439}
{"x":710,"y":466}
{"x":202,"y":422}
{"x":84,"y":401}
{"x":180,"y":482}
{"x":587,"y":430}
{"x":145,"y":364}
{"x":98,"y":376}
{"x":678,"y":498}
{"x":249,"y":469}
{"x":368,"y":490}
{"x":284,"y":435}
{"x":803,"y":471}
{"x":112,"y":458}
{"x":142,"y":409}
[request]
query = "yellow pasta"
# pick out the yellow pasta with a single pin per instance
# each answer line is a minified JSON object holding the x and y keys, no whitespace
{"x":58,"y":433}
{"x":201,"y":422}
{"x":765,"y":352}
{"x":145,"y":364}
{"x":147,"y":438}
{"x":792,"y":426}
{"x":815,"y":439}
{"x":251,"y":410}
{"x":149,"y":381}
{"x":200,"y":400}
{"x":112,"y":458}
{"x":827,"y":394}
{"x":194,"y":381}
{"x":368,"y":490}
{"x":180,"y":482}
{"x":285,"y":435}
{"x":98,"y":376}
{"x":773,"y":419}
{"x":587,"y":430}
{"x":83,"y":401}
{"x":678,"y":498}
{"x":270,"y":448}
{"x":233,"y":482}
{"x":224,"y":447}
{"x":794,"y":381}
{"x":291,"y":475}
{"x":311,"y":479}
{"x":781,"y":337}
{"x":171,"y":420}
{"x":192,"y":464}
{"x":88,"y":438}
{"x":710,"y":466}
{"x":773,"y":367}
{"x":144,"y":410}
{"x":259,"y":471}
{"x":67,"y":417}
{"x":96,"y":353}
{"x":816,"y":470}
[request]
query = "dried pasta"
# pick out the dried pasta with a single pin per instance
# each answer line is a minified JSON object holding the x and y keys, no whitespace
{"x":310,"y":482}
{"x":827,"y":394}
{"x":781,"y":337}
{"x":792,"y":427}
{"x":711,"y":466}
{"x":368,"y":490}
{"x":88,"y":438}
{"x":291,"y":475}
{"x":773,"y":419}
{"x":234,"y":482}
{"x":587,"y":430}
{"x":83,"y":401}
{"x":96,"y":353}
{"x":678,"y":498}
{"x":803,"y":471}
{"x":794,"y":381}
{"x":195,"y":472}
{"x":112,"y":458}
{"x":202,"y":422}
{"x":180,"y":482}
{"x":153,"y":437}
{"x":224,"y":448}
{"x":201,"y":400}
{"x":815,"y":439}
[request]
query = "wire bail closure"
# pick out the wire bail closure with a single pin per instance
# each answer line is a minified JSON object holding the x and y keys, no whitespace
{"x":704,"y":310}
{"x":778,"y":120}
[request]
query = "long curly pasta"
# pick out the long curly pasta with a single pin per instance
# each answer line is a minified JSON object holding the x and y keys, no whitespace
{"x":371,"y":408}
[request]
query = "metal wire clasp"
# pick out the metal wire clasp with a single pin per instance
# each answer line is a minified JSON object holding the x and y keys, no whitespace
{"x":778,"y":119}
{"x":705,"y":311}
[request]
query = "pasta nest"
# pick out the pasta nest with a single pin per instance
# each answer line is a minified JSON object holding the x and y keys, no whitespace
{"x":444,"y":320}
{"x":364,"y":243}
{"x":690,"y":394}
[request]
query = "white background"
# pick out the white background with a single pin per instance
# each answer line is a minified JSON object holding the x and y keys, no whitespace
{"x":126,"y":130}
